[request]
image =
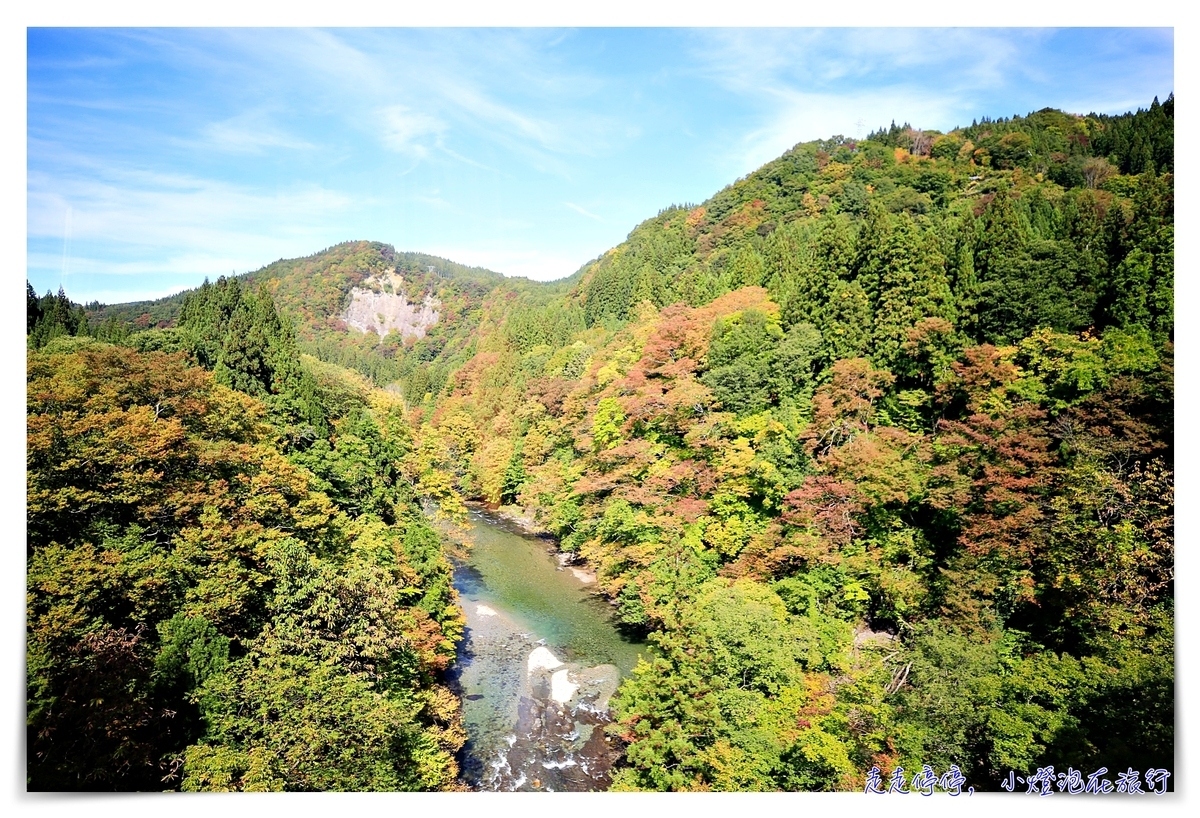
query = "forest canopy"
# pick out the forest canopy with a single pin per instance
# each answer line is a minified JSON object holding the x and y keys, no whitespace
{"x":875,"y":446}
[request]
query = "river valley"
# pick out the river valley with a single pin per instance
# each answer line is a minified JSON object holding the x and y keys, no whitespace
{"x":538,"y":664}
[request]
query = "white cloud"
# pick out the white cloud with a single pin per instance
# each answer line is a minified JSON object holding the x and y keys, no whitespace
{"x":138,"y":208}
{"x":406,"y":131}
{"x":801,"y":117}
{"x":812,"y":84}
{"x":127,"y":222}
{"x":467,"y":160}
{"x":319,"y":61}
{"x":251,"y":132}
{"x":481,"y":107}
{"x":354,"y":70}
{"x":760,"y":61}
{"x":183,"y":265}
{"x":433,"y":199}
{"x":394,"y":115}
{"x":583,"y":212}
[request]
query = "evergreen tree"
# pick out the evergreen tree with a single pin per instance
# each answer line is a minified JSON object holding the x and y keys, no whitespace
{"x":912,"y":285}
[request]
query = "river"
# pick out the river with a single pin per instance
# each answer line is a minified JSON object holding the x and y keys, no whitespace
{"x":538,"y":663}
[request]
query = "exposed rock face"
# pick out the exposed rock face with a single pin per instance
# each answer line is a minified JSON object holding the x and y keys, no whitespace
{"x":545,"y":719}
{"x":380,"y":305}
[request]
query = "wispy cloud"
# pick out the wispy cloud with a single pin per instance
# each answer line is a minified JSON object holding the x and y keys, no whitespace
{"x":213,"y":149}
{"x":442,"y":89}
{"x":141,"y":208}
{"x":433,"y":199}
{"x":409,"y":132}
{"x":128,"y":222}
{"x":481,"y":107}
{"x":583,"y":212}
{"x":251,"y":132}
{"x":808,"y":84}
{"x":760,"y":61}
{"x":466,"y":159}
{"x":182,"y":265}
{"x":800,"y":117}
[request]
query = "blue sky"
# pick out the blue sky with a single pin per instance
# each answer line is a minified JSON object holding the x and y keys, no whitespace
{"x":159,"y":157}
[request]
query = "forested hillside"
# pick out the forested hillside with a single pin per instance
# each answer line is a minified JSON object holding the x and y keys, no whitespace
{"x":230,"y":585}
{"x":312,"y":292}
{"x":875,"y":445}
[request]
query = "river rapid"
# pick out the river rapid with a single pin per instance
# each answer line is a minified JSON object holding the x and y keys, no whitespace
{"x":537,"y":666}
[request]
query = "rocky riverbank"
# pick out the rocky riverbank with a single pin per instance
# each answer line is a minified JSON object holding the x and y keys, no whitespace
{"x":559,"y":710}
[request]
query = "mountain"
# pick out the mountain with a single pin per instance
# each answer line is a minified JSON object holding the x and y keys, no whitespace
{"x":875,"y":445}
{"x":845,"y":441}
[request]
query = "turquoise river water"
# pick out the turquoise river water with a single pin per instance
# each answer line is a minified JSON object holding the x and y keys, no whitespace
{"x":539,"y":662}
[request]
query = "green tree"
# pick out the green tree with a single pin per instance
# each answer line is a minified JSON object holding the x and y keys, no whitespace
{"x":606,"y":428}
